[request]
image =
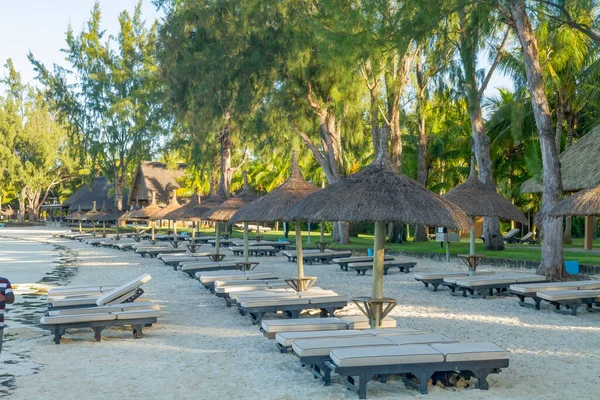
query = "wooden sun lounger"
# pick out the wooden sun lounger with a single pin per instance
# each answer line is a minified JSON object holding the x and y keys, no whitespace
{"x":127,"y":293}
{"x":100,"y":319}
{"x":359,"y":365}
{"x":193,"y":269}
{"x":315,"y":352}
{"x":285,"y":340}
{"x":480,"y":286}
{"x":223,"y":243}
{"x":362,"y":267}
{"x":208,"y":279}
{"x":572,"y":299}
{"x":324,"y":258}
{"x":256,"y":250}
{"x":343,"y":262}
{"x":271,"y":327}
{"x":292,"y":255}
{"x":527,"y":239}
{"x":291,"y":308}
{"x":175,"y":259}
{"x":525,"y":291}
{"x":436,"y":279}
{"x":204,"y":239}
{"x":511,"y":236}
{"x":153,"y":252}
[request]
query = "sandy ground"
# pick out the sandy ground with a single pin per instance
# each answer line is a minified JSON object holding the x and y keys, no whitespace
{"x":201,"y":349}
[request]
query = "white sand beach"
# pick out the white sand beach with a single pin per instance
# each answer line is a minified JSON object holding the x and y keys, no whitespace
{"x":201,"y":349}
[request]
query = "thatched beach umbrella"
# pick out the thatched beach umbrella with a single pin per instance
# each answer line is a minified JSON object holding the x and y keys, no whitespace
{"x":89,"y":216}
{"x":585,"y":203}
{"x":146,"y":212}
{"x":275,"y":205}
{"x":379,"y":194}
{"x":178,"y":214}
{"x":476,"y":199}
{"x":76,"y":216}
{"x":172,"y":206}
{"x":97,"y":217}
{"x":224,"y":211}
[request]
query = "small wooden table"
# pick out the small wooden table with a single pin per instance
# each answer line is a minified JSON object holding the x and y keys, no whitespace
{"x":216,"y":257}
{"x":301,"y":284}
{"x":471,"y":261}
{"x":246,"y":266}
{"x":322,"y":245}
{"x":375,"y":309}
{"x":175,"y":243}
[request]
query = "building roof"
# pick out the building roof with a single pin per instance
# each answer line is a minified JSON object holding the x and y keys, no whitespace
{"x":84,"y":197}
{"x":154,"y":176}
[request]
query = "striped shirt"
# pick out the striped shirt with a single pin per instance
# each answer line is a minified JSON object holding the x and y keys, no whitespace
{"x":5,"y":289}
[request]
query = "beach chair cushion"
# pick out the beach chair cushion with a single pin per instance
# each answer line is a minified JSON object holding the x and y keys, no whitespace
{"x":497,"y":279}
{"x":137,"y":314}
{"x":461,"y":352}
{"x":287,"y":338}
{"x":116,"y":294}
{"x":323,"y":346}
{"x":302,"y":324}
{"x":442,"y":275}
{"x":402,"y":340}
{"x":273,"y":302}
{"x":533,"y":288}
{"x":77,"y":318}
{"x":385,"y":355}
{"x":362,"y":322}
{"x":589,"y":285}
{"x":328,"y":299}
{"x":559,"y":295}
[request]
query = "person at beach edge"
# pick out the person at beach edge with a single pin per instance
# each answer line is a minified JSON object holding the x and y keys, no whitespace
{"x":6,"y":297}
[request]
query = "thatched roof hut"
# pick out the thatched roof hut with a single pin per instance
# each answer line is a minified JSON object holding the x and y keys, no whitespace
{"x":275,"y":205}
{"x":379,"y":194}
{"x":224,"y":211}
{"x":153,"y":177}
{"x":172,"y":206}
{"x":578,"y":167}
{"x":84,"y":197}
{"x":585,"y":203}
{"x":178,"y":213}
{"x":477,"y":200}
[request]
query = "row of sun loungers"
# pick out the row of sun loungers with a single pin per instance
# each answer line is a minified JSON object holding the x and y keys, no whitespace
{"x":99,"y":307}
{"x":255,"y":250}
{"x":571,"y":294}
{"x":312,"y":256}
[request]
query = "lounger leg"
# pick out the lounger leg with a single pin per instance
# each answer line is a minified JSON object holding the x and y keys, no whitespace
{"x":574,"y":308}
{"x":521,"y":300}
{"x":537,"y":302}
{"x":137,"y":331}
{"x":482,"y":382}
{"x":423,"y":379}
{"x":98,"y":333}
{"x":57,"y":334}
{"x":362,"y":385}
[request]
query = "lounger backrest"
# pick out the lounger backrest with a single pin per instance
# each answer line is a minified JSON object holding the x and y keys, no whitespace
{"x":511,"y":233}
{"x":114,"y":294}
{"x":527,"y":237}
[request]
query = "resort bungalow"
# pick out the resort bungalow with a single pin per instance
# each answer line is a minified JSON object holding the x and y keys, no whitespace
{"x":154,"y":177}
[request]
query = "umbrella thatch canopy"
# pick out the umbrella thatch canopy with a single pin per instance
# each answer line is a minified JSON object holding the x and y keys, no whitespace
{"x":77,"y":215}
{"x":145,"y":212}
{"x":477,"y":200}
{"x":126,"y":216}
{"x":178,"y":213}
{"x":113,"y":215}
{"x":172,"y":206}
{"x":196,"y":212}
{"x":378,"y":193}
{"x":585,"y":203}
{"x":224,"y":211}
{"x":276,"y":204}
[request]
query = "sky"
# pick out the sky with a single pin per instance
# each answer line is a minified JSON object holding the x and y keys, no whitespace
{"x":40,"y":26}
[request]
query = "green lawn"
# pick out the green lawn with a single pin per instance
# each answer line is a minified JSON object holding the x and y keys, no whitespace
{"x":363,"y":242}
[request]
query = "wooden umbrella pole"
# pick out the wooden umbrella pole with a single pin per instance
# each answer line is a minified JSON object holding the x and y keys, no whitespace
{"x":94,"y":227}
{"x":80,"y":229}
{"x":175,"y":231}
{"x":377,"y":289}
{"x":193,"y":233}
{"x":245,"y":241}
{"x":472,"y":239}
{"x":299,"y":258}
{"x":322,"y":232}
{"x":103,"y":227}
{"x":217,"y":237}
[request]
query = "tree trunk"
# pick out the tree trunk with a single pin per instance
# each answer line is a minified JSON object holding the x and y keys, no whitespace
{"x":560,"y":117}
{"x":571,"y":122}
{"x":481,"y":143}
{"x":226,"y":171}
{"x":421,"y":231}
{"x":21,"y":214}
{"x":552,"y":263}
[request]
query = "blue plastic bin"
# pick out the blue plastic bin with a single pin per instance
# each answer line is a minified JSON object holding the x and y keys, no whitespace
{"x":370,"y":252}
{"x":572,"y":267}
